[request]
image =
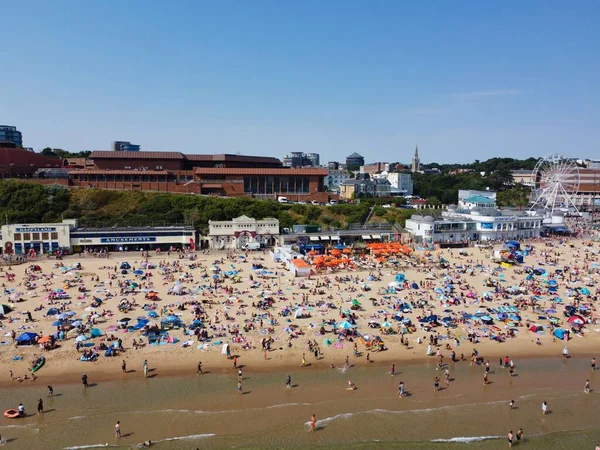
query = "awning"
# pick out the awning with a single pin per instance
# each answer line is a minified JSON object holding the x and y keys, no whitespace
{"x":324,"y":238}
{"x":335,"y":238}
{"x":314,"y":238}
{"x":366,"y":236}
{"x":376,"y":236}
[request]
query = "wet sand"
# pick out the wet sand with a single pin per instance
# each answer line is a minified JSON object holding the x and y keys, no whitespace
{"x":205,"y":411}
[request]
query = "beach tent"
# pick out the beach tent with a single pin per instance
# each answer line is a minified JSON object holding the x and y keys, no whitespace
{"x":178,"y":288}
{"x":536,"y":328}
{"x":95,"y":333}
{"x":584,"y":291}
{"x":414,"y":286}
{"x":52,"y":312}
{"x":5,"y":309}
{"x":560,"y":333}
{"x":27,"y":339}
{"x":400,"y":278}
{"x":125,"y":266}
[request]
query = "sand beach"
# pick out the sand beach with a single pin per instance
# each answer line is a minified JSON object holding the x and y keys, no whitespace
{"x":348,"y":322}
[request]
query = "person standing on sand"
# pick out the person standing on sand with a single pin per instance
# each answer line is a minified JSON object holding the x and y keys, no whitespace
{"x":239,"y":388}
{"x":393,"y":369}
{"x":50,"y":391}
{"x":118,"y":430}
{"x":586,"y":389}
{"x":40,"y":407}
{"x":510,"y":438}
{"x":544,"y":408}
{"x":288,"y":381}
{"x":313,"y":423}
{"x":303,"y":360}
{"x":520,"y":435}
{"x":199,"y":369}
{"x":401,"y":389}
{"x":124,"y":367}
{"x":84,"y":380}
{"x":235,"y":362}
{"x":593,"y":364}
{"x":436,"y":384}
{"x":145,"y":368}
{"x":511,"y":404}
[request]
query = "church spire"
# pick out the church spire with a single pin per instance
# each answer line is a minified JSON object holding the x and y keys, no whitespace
{"x":416,"y":162}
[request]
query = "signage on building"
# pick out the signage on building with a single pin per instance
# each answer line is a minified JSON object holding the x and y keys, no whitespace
{"x":123,"y":240}
{"x":505,"y":219}
{"x":35,"y":230}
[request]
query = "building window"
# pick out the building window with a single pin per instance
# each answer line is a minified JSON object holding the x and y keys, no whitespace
{"x":26,"y":236}
{"x":36,"y":236}
{"x":17,"y":236}
{"x":54,"y":235}
{"x":45,"y":236}
{"x":159,"y":167}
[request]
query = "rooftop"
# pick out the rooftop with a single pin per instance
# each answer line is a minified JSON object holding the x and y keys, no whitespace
{"x":257,"y":171}
{"x":478,"y":199}
{"x":107,"y":154}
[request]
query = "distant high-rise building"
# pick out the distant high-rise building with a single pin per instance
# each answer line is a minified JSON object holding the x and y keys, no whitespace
{"x":416,"y":162}
{"x":125,"y":146}
{"x":354,"y":161}
{"x":333,"y":165}
{"x":9,"y":133}
{"x":299,"y":159}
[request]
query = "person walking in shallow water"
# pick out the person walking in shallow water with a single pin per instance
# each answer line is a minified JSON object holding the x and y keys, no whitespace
{"x":313,"y":423}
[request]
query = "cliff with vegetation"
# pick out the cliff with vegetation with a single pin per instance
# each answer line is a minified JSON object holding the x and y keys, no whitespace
{"x":32,"y":203}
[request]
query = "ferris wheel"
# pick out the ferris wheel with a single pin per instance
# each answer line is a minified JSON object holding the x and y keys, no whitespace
{"x":556,"y":183}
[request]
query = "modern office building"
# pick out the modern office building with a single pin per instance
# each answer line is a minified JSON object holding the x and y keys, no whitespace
{"x":10,"y":134}
{"x":300,"y":159}
{"x":354,"y":161}
{"x":124,"y":146}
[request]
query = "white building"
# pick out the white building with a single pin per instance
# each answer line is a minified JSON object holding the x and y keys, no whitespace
{"x":20,"y":238}
{"x":45,"y":237}
{"x":476,"y":218}
{"x":236,"y":233}
{"x":335,"y":178}
{"x":400,"y":183}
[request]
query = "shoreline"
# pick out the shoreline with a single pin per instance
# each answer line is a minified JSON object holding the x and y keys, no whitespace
{"x":174,"y":369}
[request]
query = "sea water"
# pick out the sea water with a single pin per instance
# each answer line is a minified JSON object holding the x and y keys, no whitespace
{"x":206,"y":412}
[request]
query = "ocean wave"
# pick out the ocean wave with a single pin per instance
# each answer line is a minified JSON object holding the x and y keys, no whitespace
{"x":77,"y":447}
{"x":467,"y":439}
{"x":226,"y":411}
{"x":28,"y":427}
{"x":187,"y":438}
{"x":402,"y":411}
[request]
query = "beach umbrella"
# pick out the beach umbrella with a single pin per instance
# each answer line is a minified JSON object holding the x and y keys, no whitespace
{"x":585,"y":291}
{"x":152,"y":314}
{"x":576,"y":320}
{"x":76,"y":323}
{"x":386,"y":324}
{"x":80,"y":338}
{"x":138,"y":272}
{"x":58,"y":323}
{"x":70,"y":313}
{"x":62,"y":316}
{"x":345,"y":325}
{"x":5,"y":309}
{"x":124,"y":319}
{"x":356,"y":303}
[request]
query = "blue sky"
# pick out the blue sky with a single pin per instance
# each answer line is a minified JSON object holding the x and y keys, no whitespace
{"x":463,"y":80}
